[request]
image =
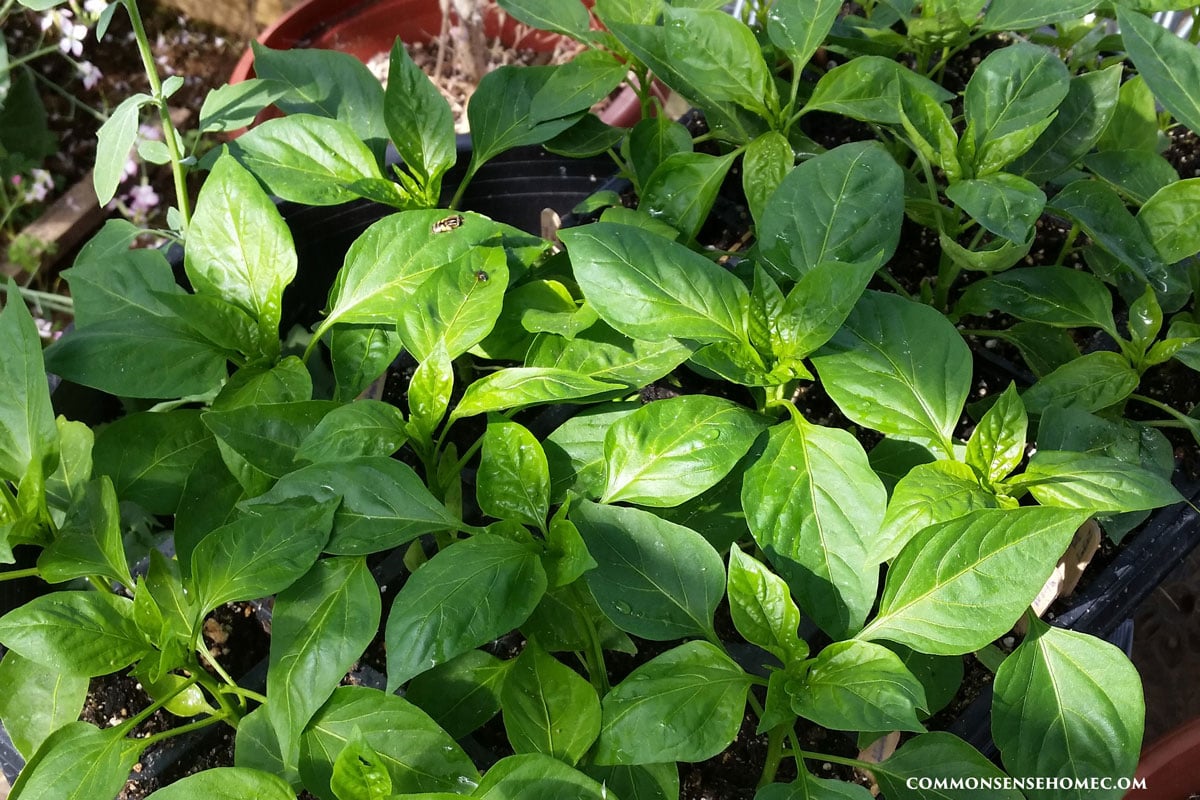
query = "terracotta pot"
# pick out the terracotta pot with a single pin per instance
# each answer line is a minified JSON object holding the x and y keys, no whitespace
{"x":1171,"y":766}
{"x":369,"y":27}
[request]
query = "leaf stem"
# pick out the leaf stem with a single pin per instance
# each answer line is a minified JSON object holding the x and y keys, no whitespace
{"x":13,"y":575}
{"x":145,"y":713}
{"x":774,"y":754}
{"x":164,"y":114}
{"x":1067,"y":244}
{"x":182,"y":729}
{"x":597,"y":669}
{"x":247,"y":693}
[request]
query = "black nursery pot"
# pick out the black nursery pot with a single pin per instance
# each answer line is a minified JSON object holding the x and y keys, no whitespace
{"x":513,"y":188}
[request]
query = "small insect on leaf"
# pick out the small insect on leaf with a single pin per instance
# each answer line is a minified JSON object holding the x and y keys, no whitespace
{"x":482,"y":276}
{"x":448,"y":224}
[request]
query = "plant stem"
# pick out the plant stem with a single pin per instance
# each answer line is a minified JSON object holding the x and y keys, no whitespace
{"x":891,"y":281}
{"x":846,"y":762}
{"x":948,"y":270}
{"x":774,"y":754}
{"x":36,"y":54}
{"x":1066,"y":248}
{"x":44,"y":299}
{"x":164,"y":114}
{"x":182,"y":729}
{"x":32,"y":572}
{"x":247,"y":693}
{"x":597,"y":670}
{"x":70,"y":98}
{"x":145,"y":713}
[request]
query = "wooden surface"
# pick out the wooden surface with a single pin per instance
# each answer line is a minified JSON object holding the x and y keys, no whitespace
{"x":241,"y":17}
{"x":65,"y":224}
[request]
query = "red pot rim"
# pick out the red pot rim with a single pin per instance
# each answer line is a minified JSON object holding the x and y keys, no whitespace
{"x":1171,"y":765}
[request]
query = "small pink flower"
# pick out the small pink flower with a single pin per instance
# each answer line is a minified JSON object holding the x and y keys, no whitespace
{"x":43,"y":182}
{"x":143,"y":199}
{"x":90,"y":73}
{"x":95,"y":7}
{"x":72,"y":38}
{"x":149,"y":133}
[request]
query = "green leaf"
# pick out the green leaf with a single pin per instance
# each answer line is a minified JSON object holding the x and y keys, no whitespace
{"x":1064,"y":479}
{"x":457,"y":306}
{"x":567,"y":555}
{"x":320,"y":627}
{"x":235,"y":105}
{"x":568,"y":17}
{"x":813,"y":503}
{"x":762,"y":608}
{"x":227,"y":783}
{"x":959,"y":585}
{"x":1091,"y":382}
{"x":1170,"y":220}
{"x":80,"y":633}
{"x":798,"y":29}
{"x":1082,"y":117}
{"x":575,"y":451}
{"x":360,"y":354}
{"x":285,"y":382}
{"x":1169,"y":65}
{"x":1051,"y":295}
{"x":358,"y":775}
{"x":638,"y":781}
{"x":361,"y":428}
{"x":148,"y":456}
{"x":328,"y":84}
{"x":255,"y":556}
{"x":519,"y":387}
{"x":1013,"y":91}
{"x":257,"y":748}
{"x":468,"y":594}
{"x":423,"y":759}
{"x":34,"y":704}
{"x":461,"y":694}
{"x":28,"y":434}
{"x":1134,"y":124}
{"x":267,"y":437}
{"x":682,"y":189}
{"x":513,"y":480}
{"x":858,"y":686}
{"x":634,"y":12}
{"x":384,"y":504}
{"x":867,"y":88}
{"x":501,"y":112}
{"x":419,"y":120}
{"x":587,"y":137}
{"x":1102,"y":215}
{"x":392,"y":258}
{"x":532,"y":776}
{"x":671,"y":450}
{"x":653,"y":140}
{"x":942,"y":676}
{"x":1013,"y":15}
{"x":817,"y":214}
{"x":718,"y":51}
{"x":114,"y":140}
{"x":928,"y":494}
{"x":684,"y":705}
{"x":604,"y":354}
{"x":429,"y":395}
{"x":239,"y":248}
{"x":927,"y":123}
{"x":548,"y":707}
{"x":653,"y":578}
{"x":577,"y":85}
{"x":939,"y":756}
{"x":1068,"y":704}
{"x":112,"y":356}
{"x":89,"y":539}
{"x":816,"y":308}
{"x":79,"y":762}
{"x":1003,"y":204}
{"x":767,"y":161}
{"x":648,"y":287}
{"x":997,"y":444}
{"x":810,"y":787}
{"x":898,"y":367}
{"x":110,"y":284}
{"x":306,"y":159}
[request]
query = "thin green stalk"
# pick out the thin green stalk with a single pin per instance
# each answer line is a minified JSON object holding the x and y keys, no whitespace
{"x":32,"y":572}
{"x":472,"y":168}
{"x":44,"y":299}
{"x":36,"y":54}
{"x":182,"y":729}
{"x":164,"y":114}
{"x":247,"y":693}
{"x":1066,"y":248}
{"x":891,"y":281}
{"x":70,"y":98}
{"x":597,"y":670}
{"x":217,"y":692}
{"x":948,"y":270}
{"x":145,"y":713}
{"x":846,"y":762}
